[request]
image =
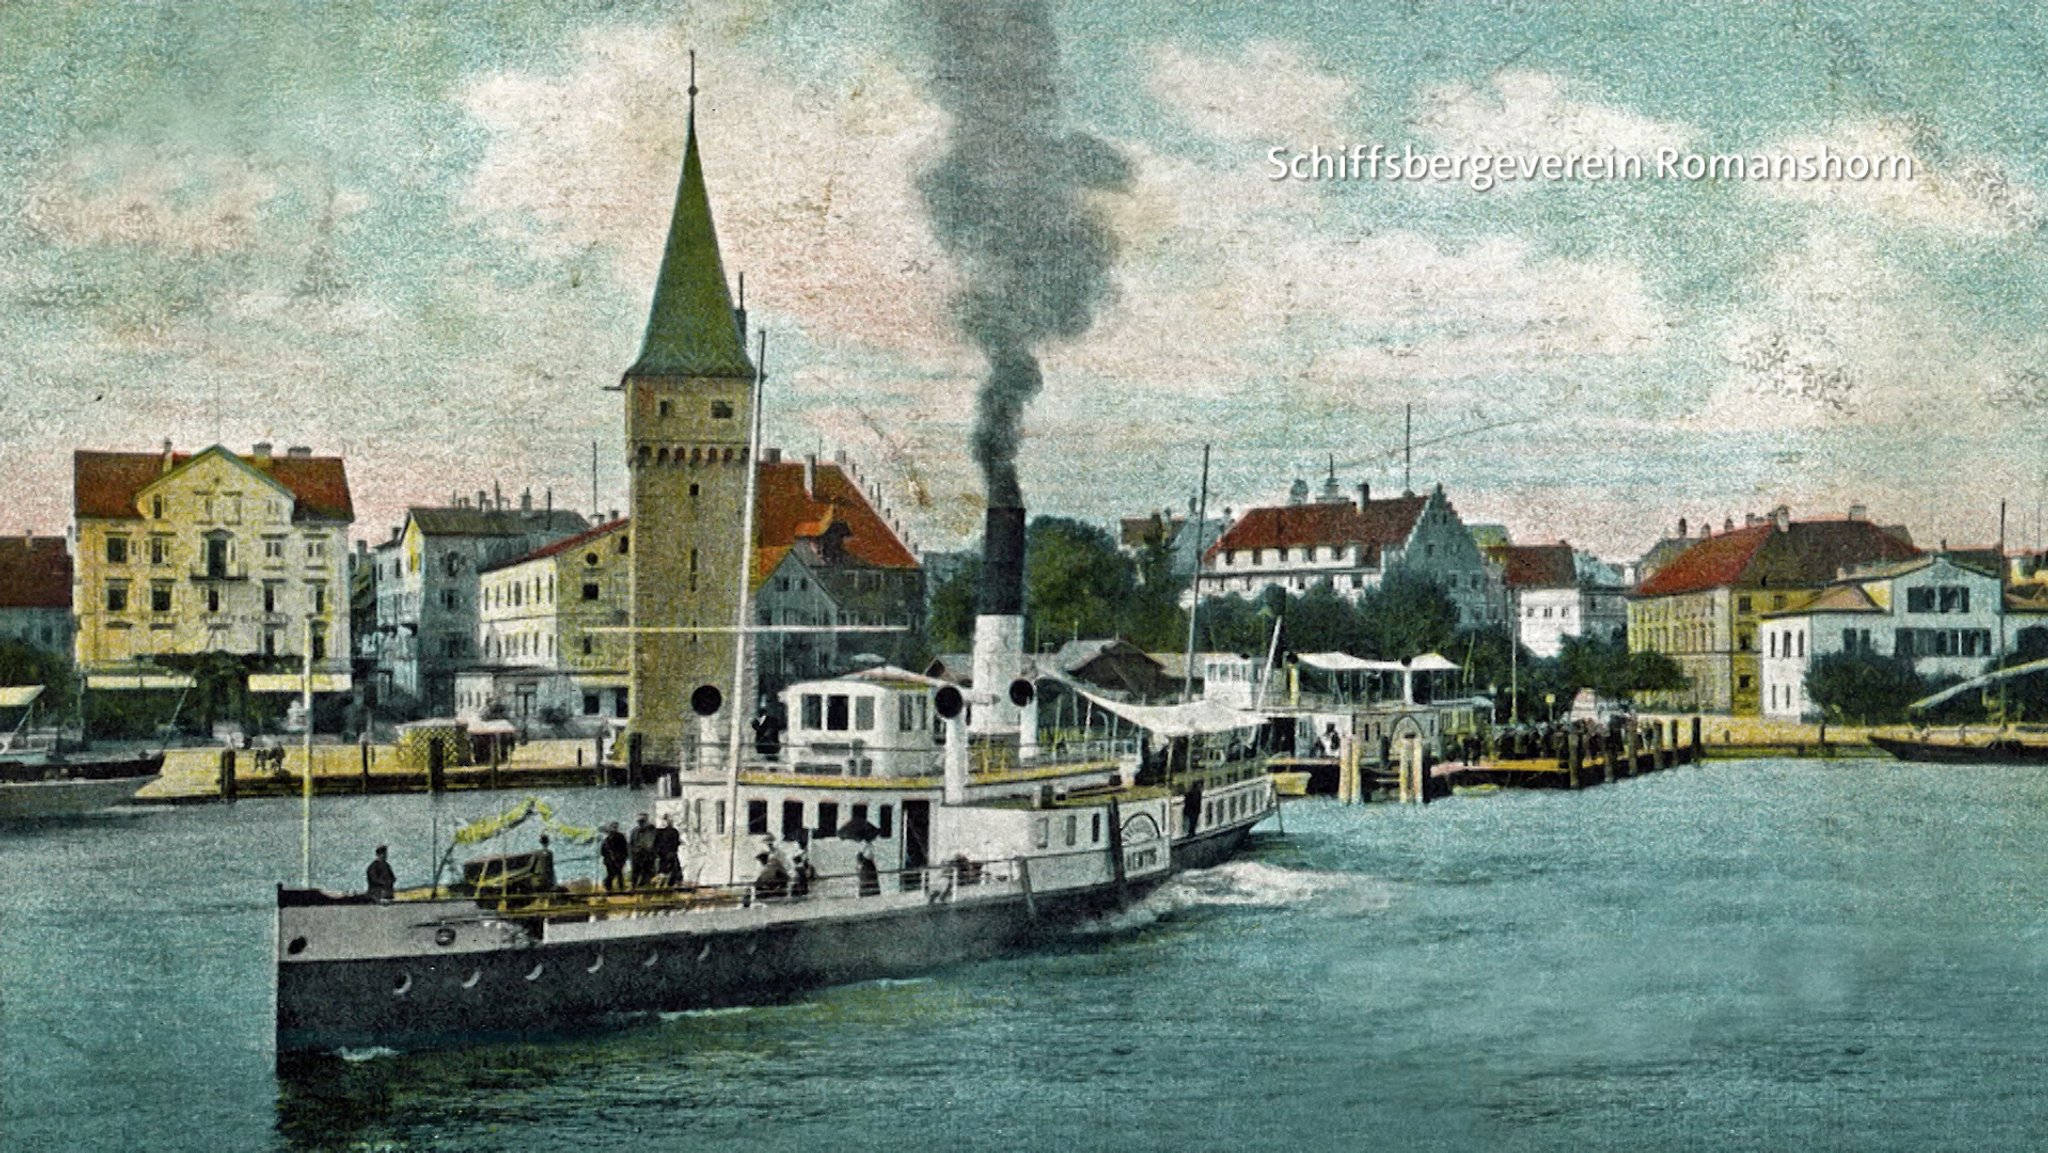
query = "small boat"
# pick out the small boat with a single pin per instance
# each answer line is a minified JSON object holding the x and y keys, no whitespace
{"x":40,"y":779}
{"x":1993,"y":748}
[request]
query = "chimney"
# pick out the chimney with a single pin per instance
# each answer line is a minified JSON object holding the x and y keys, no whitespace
{"x":1364,"y":495}
{"x":839,"y":457}
{"x":613,"y":515}
{"x":483,"y":498}
{"x":167,"y":454}
{"x":261,"y":450}
{"x":497,"y":495}
{"x":771,"y":456}
{"x":1781,"y":518}
{"x":811,"y":475}
{"x":526,"y":499}
{"x":1681,"y":528}
{"x":298,"y":450}
{"x":1728,"y":524}
{"x":1858,"y":512}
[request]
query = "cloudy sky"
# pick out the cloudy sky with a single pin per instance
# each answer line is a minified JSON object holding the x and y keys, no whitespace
{"x":424,"y":237}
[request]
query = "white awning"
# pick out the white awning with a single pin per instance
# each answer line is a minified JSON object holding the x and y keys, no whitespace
{"x":19,"y":696}
{"x":492,"y":728}
{"x":138,"y":681}
{"x":1192,"y":719}
{"x":296,"y":683}
{"x":1433,"y":663}
{"x":1346,"y":663}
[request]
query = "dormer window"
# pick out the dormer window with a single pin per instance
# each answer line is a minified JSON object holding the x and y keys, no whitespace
{"x":156,"y":508}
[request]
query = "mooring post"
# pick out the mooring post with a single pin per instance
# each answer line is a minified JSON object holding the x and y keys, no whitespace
{"x":1423,"y":778}
{"x":227,"y":774}
{"x":1576,"y":751}
{"x":437,"y":763}
{"x":1696,"y":738}
{"x":365,"y":744}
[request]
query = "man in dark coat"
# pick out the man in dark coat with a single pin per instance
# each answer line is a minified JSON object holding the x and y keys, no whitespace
{"x":668,"y":852}
{"x":613,"y":852}
{"x":383,"y":882}
{"x":642,"y":846}
{"x":772,"y":884}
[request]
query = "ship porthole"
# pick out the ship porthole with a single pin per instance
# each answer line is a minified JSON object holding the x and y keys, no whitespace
{"x":652,"y":957}
{"x":596,"y":965}
{"x":470,"y":981}
{"x":402,"y":985}
{"x":704,"y":954}
{"x":535,"y":975}
{"x":444,"y":936}
{"x":297,"y":946}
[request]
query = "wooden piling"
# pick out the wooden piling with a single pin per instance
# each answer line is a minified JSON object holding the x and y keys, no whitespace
{"x":1696,"y":739}
{"x":365,"y":746}
{"x":437,"y":764}
{"x":1576,"y":752}
{"x":227,"y":775}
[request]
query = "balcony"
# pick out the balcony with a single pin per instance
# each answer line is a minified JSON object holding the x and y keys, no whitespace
{"x":228,"y":572}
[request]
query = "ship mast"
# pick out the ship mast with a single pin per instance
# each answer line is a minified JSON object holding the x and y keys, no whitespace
{"x":740,"y":639}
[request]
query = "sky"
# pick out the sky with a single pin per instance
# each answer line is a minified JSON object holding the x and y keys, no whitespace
{"x":424,"y":237}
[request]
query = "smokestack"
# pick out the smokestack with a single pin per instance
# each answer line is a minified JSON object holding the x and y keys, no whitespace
{"x":999,"y":624}
{"x":811,"y":475}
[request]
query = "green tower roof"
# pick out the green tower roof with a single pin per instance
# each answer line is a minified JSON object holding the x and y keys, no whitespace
{"x":691,"y":329}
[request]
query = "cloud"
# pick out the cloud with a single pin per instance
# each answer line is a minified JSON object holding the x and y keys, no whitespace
{"x":1955,"y":194}
{"x":184,"y":200}
{"x":1530,"y":113}
{"x":1268,"y":93}
{"x":812,"y":188}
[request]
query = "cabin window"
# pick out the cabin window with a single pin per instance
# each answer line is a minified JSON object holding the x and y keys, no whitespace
{"x":1040,"y":835}
{"x":884,"y":819}
{"x":792,"y":820}
{"x":1073,"y":830}
{"x":864,"y":714}
{"x":860,"y":815}
{"x":720,"y":813}
{"x":835,"y":713}
{"x":1095,"y":829}
{"x":813,"y":711}
{"x":757,"y":818}
{"x":828,"y":819}
{"x":905,"y":719}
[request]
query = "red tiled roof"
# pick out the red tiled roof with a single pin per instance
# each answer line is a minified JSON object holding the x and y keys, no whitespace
{"x":1536,"y":566}
{"x":784,"y":513}
{"x":35,"y":573}
{"x":1379,"y":524}
{"x":567,"y":543}
{"x":104,"y":485}
{"x":1807,"y":554}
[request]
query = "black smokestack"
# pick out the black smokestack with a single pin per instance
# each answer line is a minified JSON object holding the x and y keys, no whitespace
{"x":1002,"y":564}
{"x":1007,"y":203}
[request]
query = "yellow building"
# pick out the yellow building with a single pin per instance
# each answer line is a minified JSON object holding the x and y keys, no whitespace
{"x":180,"y":554}
{"x":550,"y":633}
{"x":1704,"y":606}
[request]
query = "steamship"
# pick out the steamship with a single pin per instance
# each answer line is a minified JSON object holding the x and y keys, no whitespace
{"x":939,"y":827}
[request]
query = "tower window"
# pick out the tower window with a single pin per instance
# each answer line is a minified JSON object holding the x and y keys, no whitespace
{"x":721,"y":410}
{"x":695,"y":491}
{"x":662,"y":408}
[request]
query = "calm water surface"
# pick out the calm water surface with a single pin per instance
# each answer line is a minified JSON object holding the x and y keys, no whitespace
{"x":1765,"y":955}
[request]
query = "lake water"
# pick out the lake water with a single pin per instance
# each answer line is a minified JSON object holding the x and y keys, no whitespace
{"x":1761,"y":955}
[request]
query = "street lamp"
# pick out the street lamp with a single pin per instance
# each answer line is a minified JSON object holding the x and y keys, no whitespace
{"x":1550,"y":704}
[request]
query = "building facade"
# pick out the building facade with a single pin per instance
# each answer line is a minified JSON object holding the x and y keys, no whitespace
{"x":181,"y":554}
{"x":1353,"y":545}
{"x":688,"y":411}
{"x":35,"y":593}
{"x":1703,"y":607}
{"x":427,"y":593}
{"x":1944,"y":615}
{"x":1554,"y":594}
{"x":827,"y":558}
{"x":551,"y":634}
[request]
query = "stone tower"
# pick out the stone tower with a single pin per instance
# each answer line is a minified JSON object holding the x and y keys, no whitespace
{"x":688,"y":410}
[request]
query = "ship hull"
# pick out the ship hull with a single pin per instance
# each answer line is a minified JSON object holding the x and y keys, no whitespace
{"x":40,"y":790}
{"x":2000,"y":752}
{"x":552,"y":988}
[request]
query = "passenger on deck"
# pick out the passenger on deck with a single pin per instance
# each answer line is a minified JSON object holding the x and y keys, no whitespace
{"x":642,"y":848}
{"x":772,"y":884}
{"x":870,"y":878}
{"x":613,"y":851}
{"x":801,"y":876}
{"x":382,"y":880}
{"x":544,"y":866}
{"x":668,"y":848}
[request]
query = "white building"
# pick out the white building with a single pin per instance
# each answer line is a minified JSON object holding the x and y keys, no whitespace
{"x":1554,"y":593}
{"x":1942,"y":615}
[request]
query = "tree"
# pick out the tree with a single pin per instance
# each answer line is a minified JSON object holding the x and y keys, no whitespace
{"x":1863,"y":687}
{"x":1076,"y":582}
{"x":22,"y":664}
{"x":1408,"y":615}
{"x":950,"y":625}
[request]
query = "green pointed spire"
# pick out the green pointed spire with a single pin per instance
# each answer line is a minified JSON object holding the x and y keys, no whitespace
{"x":691,"y":329}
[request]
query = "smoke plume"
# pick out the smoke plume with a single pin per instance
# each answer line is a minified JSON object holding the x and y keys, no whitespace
{"x":1007,"y":203}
